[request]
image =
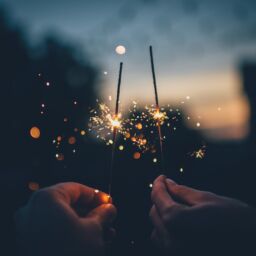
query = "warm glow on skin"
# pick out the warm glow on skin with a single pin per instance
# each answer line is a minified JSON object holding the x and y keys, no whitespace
{"x":106,"y":199}
{"x":101,"y":197}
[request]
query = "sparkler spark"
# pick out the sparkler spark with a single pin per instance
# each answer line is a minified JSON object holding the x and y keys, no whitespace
{"x":159,"y":116}
{"x":136,"y":127}
{"x":103,"y":122}
{"x":115,"y":123}
{"x":200,"y":153}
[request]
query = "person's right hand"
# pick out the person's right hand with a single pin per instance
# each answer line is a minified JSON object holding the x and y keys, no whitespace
{"x":190,"y":221}
{"x":68,"y":219}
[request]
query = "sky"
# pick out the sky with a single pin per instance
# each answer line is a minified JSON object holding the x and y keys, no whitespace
{"x":198,"y":46}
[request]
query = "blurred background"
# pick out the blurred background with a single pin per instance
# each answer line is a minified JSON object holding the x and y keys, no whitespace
{"x":59,"y":56}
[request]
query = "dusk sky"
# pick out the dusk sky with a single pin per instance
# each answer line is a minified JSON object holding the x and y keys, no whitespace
{"x":198,"y":46}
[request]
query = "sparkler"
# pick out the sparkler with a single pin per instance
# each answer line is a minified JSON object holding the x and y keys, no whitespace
{"x":115,"y":122}
{"x":158,"y":116}
{"x":200,"y":153}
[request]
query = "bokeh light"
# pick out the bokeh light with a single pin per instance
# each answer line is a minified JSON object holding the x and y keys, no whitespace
{"x":120,"y":49}
{"x":35,"y":132}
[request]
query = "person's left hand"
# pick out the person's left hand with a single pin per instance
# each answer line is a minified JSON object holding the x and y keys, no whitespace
{"x":66,"y":219}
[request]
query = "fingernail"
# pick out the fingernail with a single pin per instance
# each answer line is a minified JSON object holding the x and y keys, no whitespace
{"x":160,"y":177}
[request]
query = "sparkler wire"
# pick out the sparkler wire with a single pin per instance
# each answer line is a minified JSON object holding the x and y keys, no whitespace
{"x":157,"y":108}
{"x":115,"y":129}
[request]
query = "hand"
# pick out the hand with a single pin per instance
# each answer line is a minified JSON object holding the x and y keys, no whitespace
{"x":65,"y":219}
{"x":190,"y":221}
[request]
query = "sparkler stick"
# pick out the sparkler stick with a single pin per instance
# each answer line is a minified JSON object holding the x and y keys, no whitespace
{"x":157,"y":108}
{"x":115,"y":128}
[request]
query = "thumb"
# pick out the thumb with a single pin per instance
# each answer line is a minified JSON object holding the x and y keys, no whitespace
{"x":187,"y":195}
{"x":104,"y":213}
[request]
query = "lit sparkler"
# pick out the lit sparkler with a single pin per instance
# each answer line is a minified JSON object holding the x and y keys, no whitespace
{"x":116,"y":124}
{"x":137,"y":127}
{"x":158,"y":115}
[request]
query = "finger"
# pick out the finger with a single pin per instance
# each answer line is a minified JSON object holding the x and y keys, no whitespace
{"x":160,"y":196}
{"x":105,"y":214}
{"x":163,"y":243}
{"x":186,"y":194}
{"x":101,"y":198}
{"x":157,"y":221}
{"x":155,"y":239}
{"x":74,"y":193}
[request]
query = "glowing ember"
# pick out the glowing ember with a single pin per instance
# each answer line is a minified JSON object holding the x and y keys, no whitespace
{"x":102,"y":122}
{"x":35,"y":132}
{"x":159,"y":116}
{"x":33,"y":186}
{"x":200,"y":153}
{"x":59,"y":157}
{"x":72,"y":140}
{"x":139,"y":126}
{"x":136,"y":155}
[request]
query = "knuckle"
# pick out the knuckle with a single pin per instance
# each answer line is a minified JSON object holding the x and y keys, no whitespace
{"x":172,"y":214}
{"x":42,"y":195}
{"x":167,"y":214}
